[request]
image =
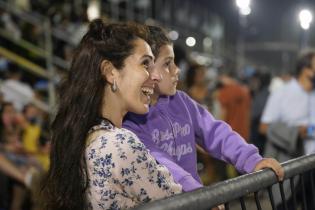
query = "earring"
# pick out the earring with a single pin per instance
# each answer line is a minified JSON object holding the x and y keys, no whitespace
{"x":114,"y":86}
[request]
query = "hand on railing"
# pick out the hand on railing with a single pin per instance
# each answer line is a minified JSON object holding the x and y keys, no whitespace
{"x":272,"y":164}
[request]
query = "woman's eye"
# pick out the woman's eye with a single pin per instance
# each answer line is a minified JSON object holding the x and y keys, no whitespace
{"x":146,"y":64}
{"x":167,"y":64}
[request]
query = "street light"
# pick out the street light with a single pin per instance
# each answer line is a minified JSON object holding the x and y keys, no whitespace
{"x":93,"y":10}
{"x":305,"y":17}
{"x":244,"y":10}
{"x":173,"y":35}
{"x":190,"y":41}
{"x":244,"y":6}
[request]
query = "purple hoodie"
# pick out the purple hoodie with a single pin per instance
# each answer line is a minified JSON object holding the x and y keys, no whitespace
{"x":172,"y":128}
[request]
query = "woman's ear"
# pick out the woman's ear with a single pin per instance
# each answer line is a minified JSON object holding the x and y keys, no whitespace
{"x":108,"y":71}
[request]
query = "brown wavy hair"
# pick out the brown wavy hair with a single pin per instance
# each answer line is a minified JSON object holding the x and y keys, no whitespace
{"x":80,"y":100}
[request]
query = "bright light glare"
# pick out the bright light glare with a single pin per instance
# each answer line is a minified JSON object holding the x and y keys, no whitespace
{"x":305,"y":26}
{"x":305,"y":18}
{"x":243,"y":3}
{"x":245,"y":11}
{"x":93,"y":10}
{"x":173,"y":35}
{"x":207,"y":42}
{"x":190,"y":41}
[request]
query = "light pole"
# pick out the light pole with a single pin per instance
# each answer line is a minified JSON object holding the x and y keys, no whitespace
{"x":244,"y":10}
{"x":305,"y":18}
{"x":244,"y":6}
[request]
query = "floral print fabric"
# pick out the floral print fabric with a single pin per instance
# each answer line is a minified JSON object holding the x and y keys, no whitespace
{"x":121,"y":172}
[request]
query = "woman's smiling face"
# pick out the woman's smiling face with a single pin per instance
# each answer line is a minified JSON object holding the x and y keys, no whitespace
{"x":134,"y":82}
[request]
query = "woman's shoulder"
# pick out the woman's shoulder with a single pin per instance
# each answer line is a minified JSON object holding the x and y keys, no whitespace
{"x":130,"y":141}
{"x":104,"y":130}
{"x":100,"y":133}
{"x":119,"y":138}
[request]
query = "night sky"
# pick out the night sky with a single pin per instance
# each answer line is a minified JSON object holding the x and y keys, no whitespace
{"x":270,"y":21}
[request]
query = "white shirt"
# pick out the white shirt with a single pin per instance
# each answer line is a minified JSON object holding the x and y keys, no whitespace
{"x":16,"y":92}
{"x":293,"y":105}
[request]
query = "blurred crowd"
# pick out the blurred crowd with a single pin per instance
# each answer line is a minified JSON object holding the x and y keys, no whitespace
{"x":68,"y":23}
{"x":24,"y":138}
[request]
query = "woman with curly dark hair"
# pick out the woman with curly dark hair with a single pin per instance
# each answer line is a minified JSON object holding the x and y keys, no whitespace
{"x":96,"y":164}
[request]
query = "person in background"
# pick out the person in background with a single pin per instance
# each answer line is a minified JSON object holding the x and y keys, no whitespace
{"x":31,"y":129}
{"x":16,"y":91}
{"x":235,"y":103}
{"x":196,"y":83}
{"x":12,"y":171}
{"x":259,"y":84}
{"x":288,"y":119}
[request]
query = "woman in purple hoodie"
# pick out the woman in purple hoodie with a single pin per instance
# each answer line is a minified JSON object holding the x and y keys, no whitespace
{"x":175,"y":123}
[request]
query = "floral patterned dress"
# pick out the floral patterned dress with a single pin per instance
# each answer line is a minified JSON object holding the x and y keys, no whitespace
{"x":121,"y":172}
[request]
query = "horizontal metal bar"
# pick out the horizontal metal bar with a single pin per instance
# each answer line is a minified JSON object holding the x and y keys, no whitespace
{"x":23,"y":43}
{"x":228,"y":190}
{"x":31,"y":67}
{"x":34,"y":49}
{"x":36,"y":19}
{"x":31,"y":18}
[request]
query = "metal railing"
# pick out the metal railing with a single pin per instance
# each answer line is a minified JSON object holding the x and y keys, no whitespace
{"x":49,"y":33}
{"x":44,"y":52}
{"x":238,"y":188}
